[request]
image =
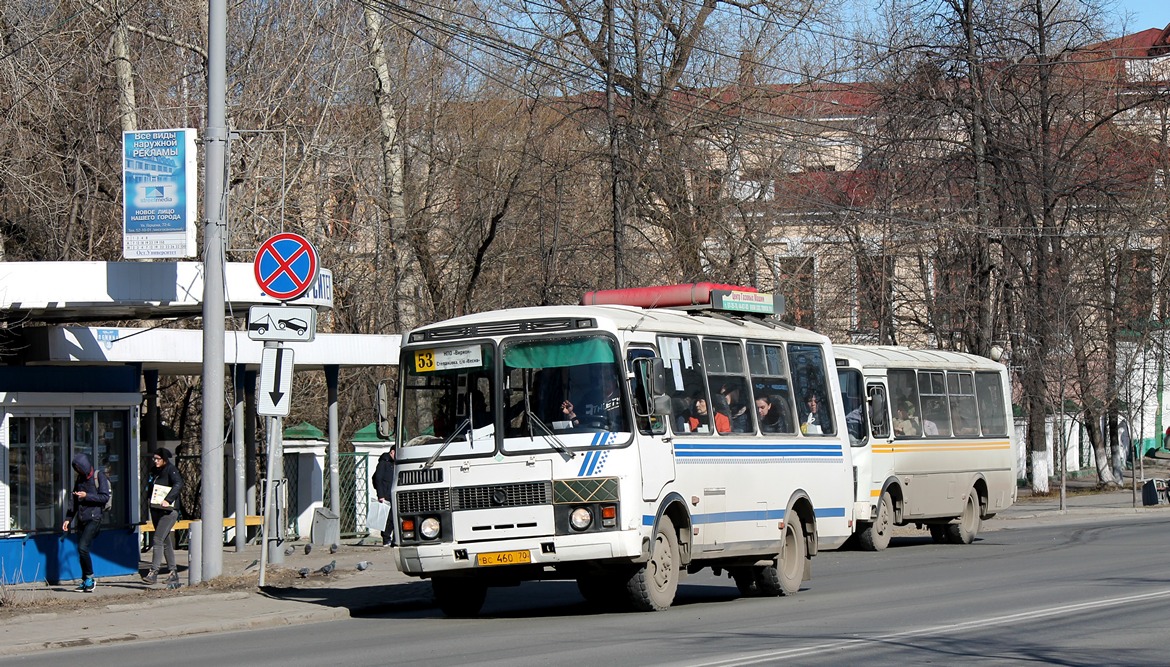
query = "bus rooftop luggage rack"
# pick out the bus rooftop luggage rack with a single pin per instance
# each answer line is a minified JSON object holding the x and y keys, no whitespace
{"x":690,"y":296}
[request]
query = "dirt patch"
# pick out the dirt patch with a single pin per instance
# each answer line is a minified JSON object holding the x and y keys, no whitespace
{"x":45,"y":599}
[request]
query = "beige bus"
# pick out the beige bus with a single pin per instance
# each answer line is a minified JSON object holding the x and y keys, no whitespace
{"x":932,"y":440}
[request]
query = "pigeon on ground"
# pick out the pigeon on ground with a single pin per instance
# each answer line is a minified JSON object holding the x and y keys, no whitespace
{"x":252,"y":564}
{"x":328,"y":568}
{"x":288,"y":551}
{"x":308,"y":548}
{"x":333,"y":548}
{"x":362,"y":565}
{"x":304,"y":572}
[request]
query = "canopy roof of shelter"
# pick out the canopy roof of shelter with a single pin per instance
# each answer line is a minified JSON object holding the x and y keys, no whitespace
{"x":180,"y":351}
{"x":98,"y":291}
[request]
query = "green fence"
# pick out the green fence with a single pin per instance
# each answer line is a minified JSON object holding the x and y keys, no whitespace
{"x":353,"y":472}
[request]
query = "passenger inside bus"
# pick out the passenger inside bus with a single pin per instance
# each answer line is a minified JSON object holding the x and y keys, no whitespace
{"x":814,"y":415}
{"x":773,"y":415}
{"x":602,"y":412}
{"x":741,"y":419}
{"x":905,"y":422}
{"x":699,"y":421}
{"x":855,"y":424}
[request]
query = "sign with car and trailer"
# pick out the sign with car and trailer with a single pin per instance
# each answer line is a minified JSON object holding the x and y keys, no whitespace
{"x":290,"y":324}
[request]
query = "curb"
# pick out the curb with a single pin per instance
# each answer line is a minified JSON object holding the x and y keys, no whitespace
{"x":269,"y":620}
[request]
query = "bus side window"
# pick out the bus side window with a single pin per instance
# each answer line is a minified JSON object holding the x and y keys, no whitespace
{"x":813,"y":402}
{"x":685,"y":383}
{"x":773,"y":400}
{"x":728,"y":386}
{"x":992,"y":416}
{"x":961,"y":388}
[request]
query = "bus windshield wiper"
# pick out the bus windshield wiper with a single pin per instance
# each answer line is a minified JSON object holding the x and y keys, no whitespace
{"x":548,"y":435}
{"x":451,"y":438}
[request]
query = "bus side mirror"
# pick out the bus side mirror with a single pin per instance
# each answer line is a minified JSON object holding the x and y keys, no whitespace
{"x":385,"y":409}
{"x":651,"y":374}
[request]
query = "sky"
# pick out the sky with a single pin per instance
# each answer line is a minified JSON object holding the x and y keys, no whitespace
{"x":1147,"y":13}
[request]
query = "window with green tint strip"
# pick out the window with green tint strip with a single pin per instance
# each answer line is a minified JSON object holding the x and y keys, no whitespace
{"x":559,"y":353}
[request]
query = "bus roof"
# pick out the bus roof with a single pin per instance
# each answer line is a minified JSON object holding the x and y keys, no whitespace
{"x":891,"y":356}
{"x":537,"y":319}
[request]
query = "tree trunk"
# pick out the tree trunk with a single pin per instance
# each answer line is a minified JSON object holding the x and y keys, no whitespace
{"x":392,"y":158}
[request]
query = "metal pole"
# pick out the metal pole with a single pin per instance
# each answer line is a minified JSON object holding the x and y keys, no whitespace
{"x":331,"y":374}
{"x":241,"y":509}
{"x":194,"y":553}
{"x":266,"y":546}
{"x":250,"y":441}
{"x":213,"y":299}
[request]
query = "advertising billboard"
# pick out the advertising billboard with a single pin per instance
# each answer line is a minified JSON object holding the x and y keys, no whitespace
{"x":159,"y":197}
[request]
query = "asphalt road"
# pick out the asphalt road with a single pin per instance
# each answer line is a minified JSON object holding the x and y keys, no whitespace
{"x":1090,"y":593}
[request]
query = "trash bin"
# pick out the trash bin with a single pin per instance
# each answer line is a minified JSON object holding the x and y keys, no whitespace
{"x":1152,"y":491}
{"x":326,"y":527}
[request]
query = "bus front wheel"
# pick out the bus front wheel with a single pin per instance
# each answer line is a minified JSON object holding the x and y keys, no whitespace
{"x":653,"y":585}
{"x":458,"y":597}
{"x":876,"y":535}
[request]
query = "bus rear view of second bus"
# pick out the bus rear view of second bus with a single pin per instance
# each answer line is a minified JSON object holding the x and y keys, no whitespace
{"x":932,"y":440}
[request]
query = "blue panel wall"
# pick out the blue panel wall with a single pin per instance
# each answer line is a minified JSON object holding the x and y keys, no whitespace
{"x":53,"y":557}
{"x":69,"y":378}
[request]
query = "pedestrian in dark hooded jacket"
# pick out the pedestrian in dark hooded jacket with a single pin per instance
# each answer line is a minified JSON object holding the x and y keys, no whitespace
{"x":91,"y":490}
{"x":163,"y":514}
{"x":383,"y":484}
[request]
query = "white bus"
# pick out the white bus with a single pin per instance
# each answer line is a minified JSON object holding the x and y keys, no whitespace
{"x":618,"y":446}
{"x":934,"y":446}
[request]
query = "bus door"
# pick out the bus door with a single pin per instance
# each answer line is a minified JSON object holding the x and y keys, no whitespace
{"x":882,"y":459}
{"x":655,"y":451}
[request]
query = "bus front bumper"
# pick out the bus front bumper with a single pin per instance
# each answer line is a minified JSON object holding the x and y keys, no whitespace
{"x":543,"y":552}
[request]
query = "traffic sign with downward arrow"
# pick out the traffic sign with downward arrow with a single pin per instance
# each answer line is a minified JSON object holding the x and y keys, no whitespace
{"x":276,"y":369}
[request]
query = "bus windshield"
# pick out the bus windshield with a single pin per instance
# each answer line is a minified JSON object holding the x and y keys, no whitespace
{"x":558,"y":387}
{"x":447,"y":394}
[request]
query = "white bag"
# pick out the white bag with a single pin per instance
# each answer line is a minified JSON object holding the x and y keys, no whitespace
{"x":158,"y":494}
{"x":377,"y":515}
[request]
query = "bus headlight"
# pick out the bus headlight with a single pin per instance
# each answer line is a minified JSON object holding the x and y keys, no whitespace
{"x":429,"y":528}
{"x":581,"y":518}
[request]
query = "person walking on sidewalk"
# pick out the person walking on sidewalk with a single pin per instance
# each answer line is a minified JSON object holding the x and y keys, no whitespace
{"x":383,"y":483}
{"x":164,"y":486}
{"x":91,"y":490}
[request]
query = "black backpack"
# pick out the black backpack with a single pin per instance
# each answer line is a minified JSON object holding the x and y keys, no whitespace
{"x":97,"y":476}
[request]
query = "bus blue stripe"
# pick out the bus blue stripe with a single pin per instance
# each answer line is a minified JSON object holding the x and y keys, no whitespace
{"x":750,"y":515}
{"x":770,"y":445}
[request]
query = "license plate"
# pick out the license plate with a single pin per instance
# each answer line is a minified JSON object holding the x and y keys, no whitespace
{"x":504,"y":558}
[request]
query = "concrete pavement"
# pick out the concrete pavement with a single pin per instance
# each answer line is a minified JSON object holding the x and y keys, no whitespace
{"x":125,"y":609}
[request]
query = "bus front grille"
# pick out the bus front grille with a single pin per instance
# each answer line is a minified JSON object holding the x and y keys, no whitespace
{"x":502,"y":495}
{"x":422,"y":476}
{"x":424,"y":501}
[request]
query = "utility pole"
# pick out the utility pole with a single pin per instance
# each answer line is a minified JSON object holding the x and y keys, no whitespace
{"x":215,"y":219}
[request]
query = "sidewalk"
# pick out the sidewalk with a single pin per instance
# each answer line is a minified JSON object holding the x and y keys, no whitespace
{"x":125,"y":609}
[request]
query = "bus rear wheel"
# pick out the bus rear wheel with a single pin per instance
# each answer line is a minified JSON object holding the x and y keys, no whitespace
{"x":967,"y":528}
{"x":653,"y":585}
{"x":785,"y":576}
{"x":876,"y":535}
{"x":458,"y":597}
